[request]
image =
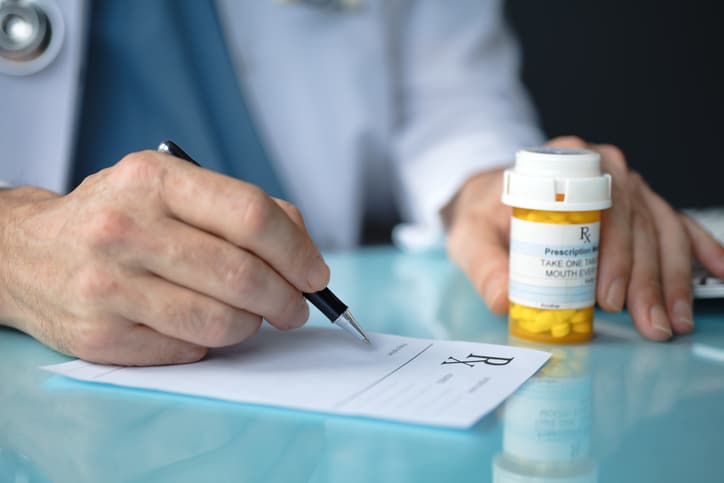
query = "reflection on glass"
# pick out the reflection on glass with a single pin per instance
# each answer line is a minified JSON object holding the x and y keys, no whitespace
{"x":547,"y":423}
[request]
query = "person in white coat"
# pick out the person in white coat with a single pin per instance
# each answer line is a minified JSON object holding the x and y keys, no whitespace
{"x":350,"y":110}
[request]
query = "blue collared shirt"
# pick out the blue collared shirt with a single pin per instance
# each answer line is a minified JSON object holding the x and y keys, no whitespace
{"x":161,"y":70}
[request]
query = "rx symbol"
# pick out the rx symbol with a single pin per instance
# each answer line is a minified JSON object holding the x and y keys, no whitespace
{"x":586,"y":234}
{"x":473,"y":359}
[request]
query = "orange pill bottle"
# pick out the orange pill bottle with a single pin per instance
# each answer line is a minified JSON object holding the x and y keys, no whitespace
{"x":557,"y":195}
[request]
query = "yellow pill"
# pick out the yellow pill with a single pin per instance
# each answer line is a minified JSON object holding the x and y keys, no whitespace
{"x":561,"y":330}
{"x":521,"y":312}
{"x":580,"y":316}
{"x":564,"y":315}
{"x":529,"y":313}
{"x":531,"y":326}
{"x":582,"y":328}
{"x":517,"y":315}
{"x":545,"y":319}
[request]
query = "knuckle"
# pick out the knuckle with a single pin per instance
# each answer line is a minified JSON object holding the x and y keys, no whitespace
{"x":191,"y":318}
{"x":229,"y":326}
{"x":648,"y":285}
{"x":220,"y":328}
{"x":94,"y":283}
{"x":256,"y":212}
{"x":643,"y":224}
{"x":616,"y":244}
{"x":614,"y":255}
{"x":108,"y":226}
{"x":141,"y":167}
{"x":176,"y":252}
{"x":678,"y":284}
{"x":209,"y":326}
{"x":676,"y":274}
{"x":244,"y":277}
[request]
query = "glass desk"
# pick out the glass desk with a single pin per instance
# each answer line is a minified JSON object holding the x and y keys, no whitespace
{"x":617,"y":409}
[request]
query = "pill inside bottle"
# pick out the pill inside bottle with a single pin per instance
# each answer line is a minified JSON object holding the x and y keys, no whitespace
{"x":557,"y":197}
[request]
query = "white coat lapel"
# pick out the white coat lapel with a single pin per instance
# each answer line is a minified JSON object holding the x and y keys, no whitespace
{"x":39,"y":110}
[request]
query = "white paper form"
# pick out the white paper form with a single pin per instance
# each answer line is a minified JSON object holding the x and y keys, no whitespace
{"x":432,"y":382}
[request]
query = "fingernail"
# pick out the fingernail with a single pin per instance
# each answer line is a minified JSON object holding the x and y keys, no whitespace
{"x":319,"y":275}
{"x":615,"y":294}
{"x":659,"y":320}
{"x":682,"y":312}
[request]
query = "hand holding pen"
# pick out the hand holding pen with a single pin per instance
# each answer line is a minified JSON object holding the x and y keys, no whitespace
{"x":325,"y":300}
{"x":153,"y":261}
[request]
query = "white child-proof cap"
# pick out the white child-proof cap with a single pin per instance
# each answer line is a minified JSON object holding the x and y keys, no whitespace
{"x":542,"y":173}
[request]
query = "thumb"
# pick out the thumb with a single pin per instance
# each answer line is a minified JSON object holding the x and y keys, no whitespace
{"x":479,"y":246}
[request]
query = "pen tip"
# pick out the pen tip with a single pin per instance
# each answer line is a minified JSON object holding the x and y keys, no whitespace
{"x":350,"y":324}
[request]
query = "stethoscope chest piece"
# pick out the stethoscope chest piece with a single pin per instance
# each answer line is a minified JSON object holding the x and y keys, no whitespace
{"x":31,"y":35}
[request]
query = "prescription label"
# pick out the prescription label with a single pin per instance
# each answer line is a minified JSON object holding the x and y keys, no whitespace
{"x":553,"y":266}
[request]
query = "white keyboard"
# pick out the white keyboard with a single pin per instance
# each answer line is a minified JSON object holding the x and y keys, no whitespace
{"x":705,"y":284}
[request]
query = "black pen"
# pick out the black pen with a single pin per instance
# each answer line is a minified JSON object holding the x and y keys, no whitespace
{"x":328,"y":303}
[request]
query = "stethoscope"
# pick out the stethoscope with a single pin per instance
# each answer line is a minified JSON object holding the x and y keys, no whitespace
{"x":31,"y":34}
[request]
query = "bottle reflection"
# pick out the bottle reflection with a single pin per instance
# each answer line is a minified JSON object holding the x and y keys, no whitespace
{"x":547,"y":423}
{"x":16,"y":468}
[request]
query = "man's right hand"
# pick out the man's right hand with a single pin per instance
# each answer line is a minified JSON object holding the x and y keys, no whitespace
{"x":153,"y":261}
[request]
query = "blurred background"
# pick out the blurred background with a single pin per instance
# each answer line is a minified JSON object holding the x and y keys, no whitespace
{"x":644,"y":75}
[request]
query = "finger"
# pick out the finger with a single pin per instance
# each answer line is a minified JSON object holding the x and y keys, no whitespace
{"x":573,"y":142}
{"x":246,"y":216}
{"x":126,"y":343}
{"x":214,"y":267}
{"x":184,"y":314}
{"x":645,"y":301}
{"x":480,"y":249}
{"x":616,"y":244}
{"x":674,"y":260}
{"x":707,"y":249}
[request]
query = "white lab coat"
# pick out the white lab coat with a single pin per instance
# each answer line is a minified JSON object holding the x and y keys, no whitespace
{"x":394,"y":100}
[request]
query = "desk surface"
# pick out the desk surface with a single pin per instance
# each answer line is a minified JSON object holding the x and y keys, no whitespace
{"x":617,"y":409}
